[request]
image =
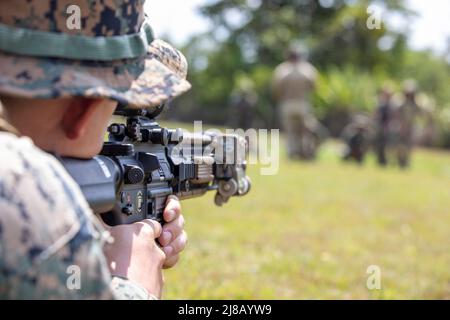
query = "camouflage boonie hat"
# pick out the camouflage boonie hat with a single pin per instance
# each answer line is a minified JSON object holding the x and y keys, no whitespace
{"x":98,"y":49}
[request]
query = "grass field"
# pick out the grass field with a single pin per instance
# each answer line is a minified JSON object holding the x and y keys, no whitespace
{"x":311,"y":232}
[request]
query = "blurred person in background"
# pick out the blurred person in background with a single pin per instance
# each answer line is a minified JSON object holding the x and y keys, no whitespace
{"x":383,"y":118}
{"x":293,"y":83}
{"x":357,"y":136}
{"x":244,"y":101}
{"x":429,"y":130}
{"x":405,"y":114}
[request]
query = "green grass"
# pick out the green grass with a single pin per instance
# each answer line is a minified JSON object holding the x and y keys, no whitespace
{"x":311,"y":231}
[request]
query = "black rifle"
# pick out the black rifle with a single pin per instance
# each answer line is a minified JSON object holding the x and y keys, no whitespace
{"x":143,"y":163}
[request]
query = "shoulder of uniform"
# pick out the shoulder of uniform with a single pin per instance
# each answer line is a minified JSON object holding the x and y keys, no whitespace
{"x":282,"y":67}
{"x":42,"y":207}
{"x":309,"y":68}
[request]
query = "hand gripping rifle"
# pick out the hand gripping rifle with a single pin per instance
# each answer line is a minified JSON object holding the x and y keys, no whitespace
{"x":143,"y":163}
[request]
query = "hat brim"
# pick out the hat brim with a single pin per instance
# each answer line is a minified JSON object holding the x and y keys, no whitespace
{"x":139,"y":83}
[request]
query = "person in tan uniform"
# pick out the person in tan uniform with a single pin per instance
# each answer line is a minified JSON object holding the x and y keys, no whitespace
{"x":293,"y":82}
{"x":405,"y":115}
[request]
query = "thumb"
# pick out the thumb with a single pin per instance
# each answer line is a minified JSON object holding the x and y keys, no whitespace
{"x":156,"y":226}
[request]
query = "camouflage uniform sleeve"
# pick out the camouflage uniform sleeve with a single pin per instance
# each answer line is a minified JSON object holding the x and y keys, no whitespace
{"x":50,"y":244}
{"x":125,"y":289}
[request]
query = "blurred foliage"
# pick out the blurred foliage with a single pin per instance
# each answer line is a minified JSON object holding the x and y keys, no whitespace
{"x":248,"y":38}
{"x":345,"y":89}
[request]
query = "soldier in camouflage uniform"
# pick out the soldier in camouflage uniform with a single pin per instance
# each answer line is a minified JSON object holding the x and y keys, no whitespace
{"x":59,"y":86}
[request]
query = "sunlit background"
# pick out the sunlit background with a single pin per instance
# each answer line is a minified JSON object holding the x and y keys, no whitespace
{"x":314,"y":229}
{"x":178,"y":20}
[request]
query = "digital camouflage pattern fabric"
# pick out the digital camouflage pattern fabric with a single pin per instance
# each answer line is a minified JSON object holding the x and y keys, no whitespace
{"x":47,"y":228}
{"x":47,"y":231}
{"x":145,"y":81}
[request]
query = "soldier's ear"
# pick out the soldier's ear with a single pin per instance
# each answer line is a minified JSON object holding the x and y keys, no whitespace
{"x":76,"y":116}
